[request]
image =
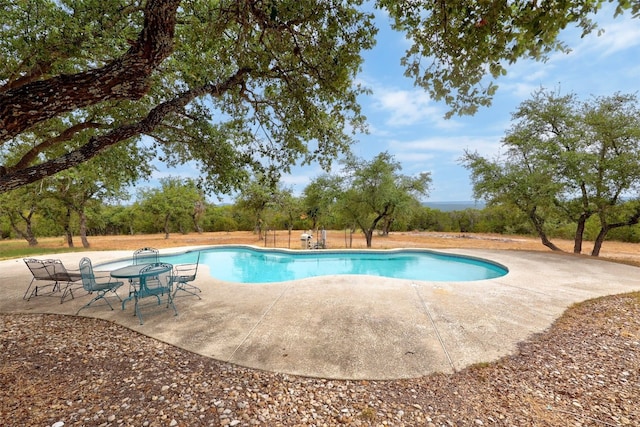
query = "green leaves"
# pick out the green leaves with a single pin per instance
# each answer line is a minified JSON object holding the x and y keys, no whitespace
{"x":458,"y":44}
{"x":238,"y":86}
{"x":369,"y":193}
{"x":175,"y":206}
{"x":43,"y":38}
{"x":566,"y":158}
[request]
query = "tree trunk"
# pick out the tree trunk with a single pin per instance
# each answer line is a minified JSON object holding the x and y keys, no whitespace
{"x":67,"y":228}
{"x":196,"y":224}
{"x":12,"y":179}
{"x":537,"y":224}
{"x":597,"y":245}
{"x":579,"y":236}
{"x":258,"y":229}
{"x":386,"y":227}
{"x":31,"y":238}
{"x":368,"y":235}
{"x":605,"y":228}
{"x":83,"y":229}
{"x":368,"y":232}
{"x":125,"y":77}
{"x":28,"y":233}
{"x":166,"y":227}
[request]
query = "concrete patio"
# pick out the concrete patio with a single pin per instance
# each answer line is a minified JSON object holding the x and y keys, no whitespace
{"x":353,"y":327}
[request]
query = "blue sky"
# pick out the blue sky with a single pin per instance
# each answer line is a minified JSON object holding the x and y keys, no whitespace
{"x":404,"y":121}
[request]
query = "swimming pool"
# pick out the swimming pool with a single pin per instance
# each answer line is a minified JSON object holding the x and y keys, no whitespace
{"x":244,"y":264}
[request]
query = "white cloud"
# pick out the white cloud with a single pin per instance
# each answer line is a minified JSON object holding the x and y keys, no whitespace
{"x":397,"y":107}
{"x":300,"y":178}
{"x":618,"y":35}
{"x":522,"y":90}
{"x":486,"y":146}
{"x":407,"y":157}
{"x":405,"y":107}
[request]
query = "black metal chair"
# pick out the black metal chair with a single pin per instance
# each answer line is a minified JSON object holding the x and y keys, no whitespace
{"x":62,"y":275}
{"x":53,"y":274}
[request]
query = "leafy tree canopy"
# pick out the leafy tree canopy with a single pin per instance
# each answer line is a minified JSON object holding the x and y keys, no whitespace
{"x":569,"y":159}
{"x":459,"y":48}
{"x":375,"y":191}
{"x":235,"y":84}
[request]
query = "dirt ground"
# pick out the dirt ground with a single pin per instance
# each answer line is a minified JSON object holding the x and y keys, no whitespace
{"x":619,"y":251}
{"x":583,"y":371}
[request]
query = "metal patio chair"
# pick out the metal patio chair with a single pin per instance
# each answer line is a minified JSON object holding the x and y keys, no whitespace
{"x":183,"y":275}
{"x":61,"y":274}
{"x":155,"y":284}
{"x":40,"y":274}
{"x":145,"y":255}
{"x":99,"y":284}
{"x":53,"y":274}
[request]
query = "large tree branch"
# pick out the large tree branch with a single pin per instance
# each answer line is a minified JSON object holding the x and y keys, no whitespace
{"x":69,"y":133}
{"x":98,"y":144}
{"x":22,"y":76}
{"x":36,"y":72}
{"x":123,"y":78}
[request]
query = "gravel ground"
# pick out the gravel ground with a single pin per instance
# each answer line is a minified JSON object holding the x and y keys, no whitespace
{"x":583,"y":371}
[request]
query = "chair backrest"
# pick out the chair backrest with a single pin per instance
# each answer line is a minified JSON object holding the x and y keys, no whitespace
{"x":57,"y":270}
{"x":188,"y":271}
{"x":161,"y":280}
{"x":38,"y":268}
{"x":86,"y":272}
{"x":144,"y":255}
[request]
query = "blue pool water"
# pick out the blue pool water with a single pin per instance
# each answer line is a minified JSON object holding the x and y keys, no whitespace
{"x":254,"y":265}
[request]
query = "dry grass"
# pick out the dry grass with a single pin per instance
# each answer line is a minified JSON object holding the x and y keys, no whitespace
{"x":618,"y":251}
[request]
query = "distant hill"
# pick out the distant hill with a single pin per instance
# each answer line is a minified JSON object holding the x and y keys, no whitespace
{"x":455,"y":206}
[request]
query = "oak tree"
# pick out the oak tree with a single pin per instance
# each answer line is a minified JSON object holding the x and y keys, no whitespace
{"x":233,"y":84}
{"x":375,"y":193}
{"x":569,"y":159}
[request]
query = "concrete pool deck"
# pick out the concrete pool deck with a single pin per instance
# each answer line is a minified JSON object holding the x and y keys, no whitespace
{"x":353,"y":327}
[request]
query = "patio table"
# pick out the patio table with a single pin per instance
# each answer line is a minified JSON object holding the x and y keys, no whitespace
{"x":133,"y":272}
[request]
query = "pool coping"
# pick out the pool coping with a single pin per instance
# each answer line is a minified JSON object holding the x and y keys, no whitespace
{"x":356,"y":327}
{"x":317,"y":252}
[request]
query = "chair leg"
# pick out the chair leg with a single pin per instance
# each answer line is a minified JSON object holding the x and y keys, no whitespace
{"x":67,"y":291}
{"x":99,"y":296}
{"x":115,"y":291}
{"x":104,"y":298}
{"x":34,"y":292}
{"x":137,"y":308}
{"x":27,"y":291}
{"x":187,"y":288}
{"x":170,"y":302}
